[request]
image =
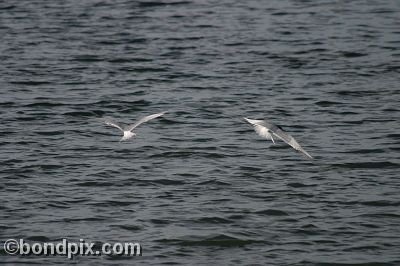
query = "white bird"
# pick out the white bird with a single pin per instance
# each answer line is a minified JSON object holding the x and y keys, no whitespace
{"x":128,"y":133}
{"x":268,"y":130}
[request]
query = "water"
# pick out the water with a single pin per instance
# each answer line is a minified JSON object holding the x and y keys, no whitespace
{"x":198,"y":186}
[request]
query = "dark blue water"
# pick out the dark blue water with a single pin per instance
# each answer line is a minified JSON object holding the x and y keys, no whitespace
{"x":198,"y":186}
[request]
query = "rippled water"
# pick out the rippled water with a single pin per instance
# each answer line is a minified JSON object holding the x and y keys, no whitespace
{"x":198,"y":186}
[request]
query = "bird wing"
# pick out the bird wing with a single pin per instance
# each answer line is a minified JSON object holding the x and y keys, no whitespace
{"x":143,"y":120}
{"x":289,"y":140}
{"x":107,"y":121}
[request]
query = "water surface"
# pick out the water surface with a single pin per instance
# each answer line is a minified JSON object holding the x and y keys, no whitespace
{"x":198,"y":186}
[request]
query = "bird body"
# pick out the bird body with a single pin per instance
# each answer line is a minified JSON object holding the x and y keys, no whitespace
{"x":270,"y":131}
{"x":128,"y":131}
{"x":128,"y":135}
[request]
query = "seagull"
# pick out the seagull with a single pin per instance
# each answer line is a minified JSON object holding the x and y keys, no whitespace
{"x":270,"y":131}
{"x":128,"y":133}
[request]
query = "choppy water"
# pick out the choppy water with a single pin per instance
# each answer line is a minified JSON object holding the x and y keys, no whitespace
{"x":198,"y":186}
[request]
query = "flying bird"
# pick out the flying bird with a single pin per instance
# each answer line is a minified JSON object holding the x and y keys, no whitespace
{"x":128,"y":131}
{"x":270,"y":131}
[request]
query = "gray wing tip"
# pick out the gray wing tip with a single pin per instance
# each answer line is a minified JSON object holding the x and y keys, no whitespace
{"x":307,"y":154}
{"x":247,"y":120}
{"x":162,"y":113}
